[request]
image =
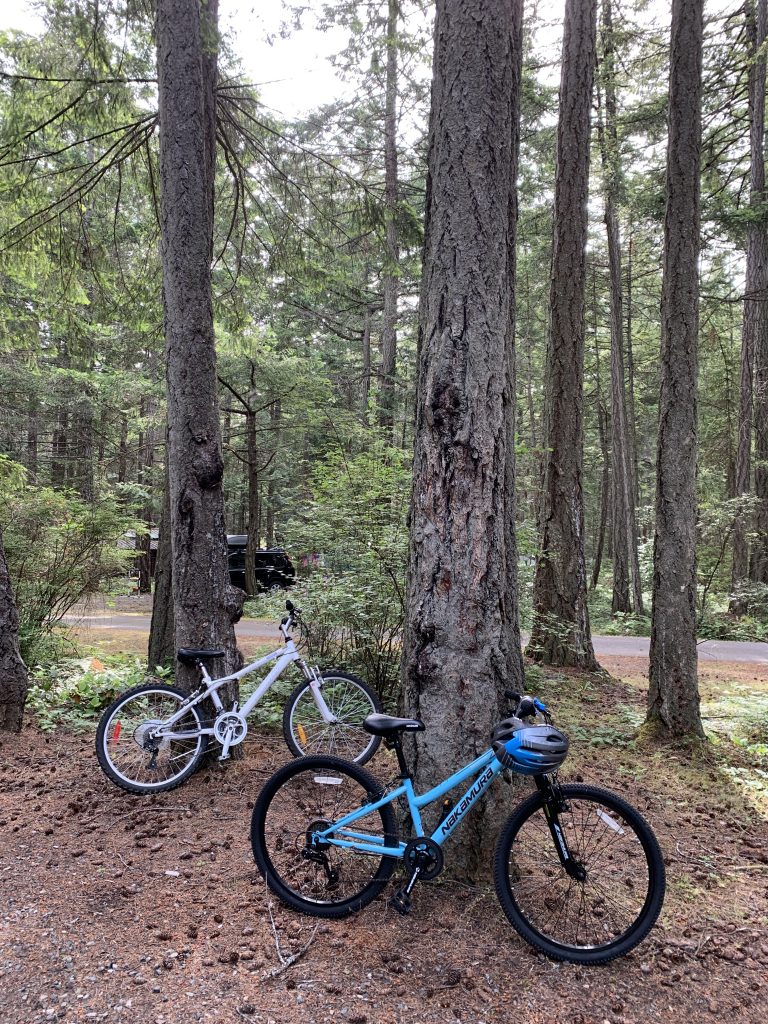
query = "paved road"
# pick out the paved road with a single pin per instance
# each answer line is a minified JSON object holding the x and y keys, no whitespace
{"x":614,"y":646}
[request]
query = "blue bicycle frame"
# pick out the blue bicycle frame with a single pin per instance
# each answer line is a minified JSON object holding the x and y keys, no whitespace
{"x":485,"y":768}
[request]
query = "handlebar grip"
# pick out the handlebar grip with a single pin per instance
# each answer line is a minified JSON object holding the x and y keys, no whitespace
{"x":512,"y":695}
{"x":289,"y":606}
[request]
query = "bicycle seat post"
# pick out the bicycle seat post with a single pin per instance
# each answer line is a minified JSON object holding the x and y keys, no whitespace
{"x":396,"y":743}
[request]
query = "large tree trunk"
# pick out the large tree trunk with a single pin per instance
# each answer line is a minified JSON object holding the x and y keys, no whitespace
{"x":205,"y":605}
{"x":392,"y":249}
{"x":754,"y":337}
{"x":560,"y":633}
{"x":13,"y":672}
{"x":461,"y":643}
{"x":673,"y":697}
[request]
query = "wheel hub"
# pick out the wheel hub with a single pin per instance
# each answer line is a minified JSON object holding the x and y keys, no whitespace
{"x":142,"y":735}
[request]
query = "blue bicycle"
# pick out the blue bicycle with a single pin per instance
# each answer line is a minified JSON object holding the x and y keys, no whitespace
{"x":578,"y":872}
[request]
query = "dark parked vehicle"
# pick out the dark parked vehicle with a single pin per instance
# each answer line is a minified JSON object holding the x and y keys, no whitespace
{"x":274,"y":569}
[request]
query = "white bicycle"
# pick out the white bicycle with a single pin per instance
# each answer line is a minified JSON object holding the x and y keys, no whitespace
{"x":153,"y":737}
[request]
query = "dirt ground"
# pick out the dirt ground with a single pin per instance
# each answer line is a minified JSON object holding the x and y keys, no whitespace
{"x":135,"y":909}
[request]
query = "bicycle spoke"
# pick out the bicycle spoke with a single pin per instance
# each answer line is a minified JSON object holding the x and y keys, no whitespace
{"x":301,"y":803}
{"x":587,"y":913}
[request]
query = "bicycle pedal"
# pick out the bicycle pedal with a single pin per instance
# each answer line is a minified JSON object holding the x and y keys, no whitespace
{"x":401,"y":902}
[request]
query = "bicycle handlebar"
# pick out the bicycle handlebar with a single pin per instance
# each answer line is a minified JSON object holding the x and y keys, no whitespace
{"x":287,"y":621}
{"x":525,"y":705}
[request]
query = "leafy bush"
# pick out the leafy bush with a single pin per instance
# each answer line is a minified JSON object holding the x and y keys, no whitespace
{"x":625,"y":624}
{"x":352,"y":596}
{"x":59,"y":549}
{"x":728,"y":627}
{"x":74,"y":692}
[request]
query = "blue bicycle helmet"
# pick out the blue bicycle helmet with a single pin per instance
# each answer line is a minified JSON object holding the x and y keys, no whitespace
{"x":529,"y":749}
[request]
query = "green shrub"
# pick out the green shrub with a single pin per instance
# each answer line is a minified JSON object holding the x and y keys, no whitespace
{"x":353,"y":592}
{"x":60,"y":549}
{"x":74,"y":692}
{"x":728,"y":627}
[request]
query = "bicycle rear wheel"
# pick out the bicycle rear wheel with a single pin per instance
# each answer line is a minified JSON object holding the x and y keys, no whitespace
{"x":305,"y":796}
{"x":350,"y":700}
{"x":123,"y":740}
{"x":588,"y":920}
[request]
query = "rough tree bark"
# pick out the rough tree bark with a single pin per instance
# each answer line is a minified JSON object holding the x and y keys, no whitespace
{"x":162,"y":639}
{"x":390,"y":277}
{"x":205,"y":605}
{"x":461,"y":644}
{"x":560,"y":634}
{"x":13,"y":672}
{"x":626,"y":566}
{"x":605,"y":479}
{"x":754,"y":335}
{"x":673,"y":697}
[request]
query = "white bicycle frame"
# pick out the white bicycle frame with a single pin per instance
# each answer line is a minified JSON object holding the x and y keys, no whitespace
{"x":283,"y":657}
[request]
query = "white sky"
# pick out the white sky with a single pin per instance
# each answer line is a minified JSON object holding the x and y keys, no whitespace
{"x":293,"y":73}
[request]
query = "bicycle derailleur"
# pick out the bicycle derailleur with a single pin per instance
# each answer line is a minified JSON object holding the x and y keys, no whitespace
{"x":423,"y":861}
{"x":314,"y":850}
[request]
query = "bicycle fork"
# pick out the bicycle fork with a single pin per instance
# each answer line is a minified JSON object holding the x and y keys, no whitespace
{"x":553,"y":803}
{"x":315,"y":680}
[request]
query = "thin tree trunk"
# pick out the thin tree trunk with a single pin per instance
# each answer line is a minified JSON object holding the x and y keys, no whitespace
{"x":275,"y":415}
{"x":365,"y":386}
{"x":32,"y":427}
{"x":755,"y":322}
{"x":560,"y":634}
{"x":626,"y":566}
{"x":122,"y":450}
{"x":254,"y":531}
{"x":605,"y":481}
{"x":461,"y":645}
{"x":13,"y":672}
{"x":147,"y":450}
{"x":390,"y":277}
{"x":673,"y":696}
{"x":59,"y":448}
{"x":205,"y":605}
{"x":631,"y":413}
{"x":605,"y":495}
{"x":162,"y":633}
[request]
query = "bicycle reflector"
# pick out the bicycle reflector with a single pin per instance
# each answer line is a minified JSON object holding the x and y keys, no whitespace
{"x":529,"y":749}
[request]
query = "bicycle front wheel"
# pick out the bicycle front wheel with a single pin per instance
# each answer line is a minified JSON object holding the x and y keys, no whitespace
{"x":616,"y":896}
{"x":349,"y":700}
{"x":125,"y":748}
{"x":306,"y":796}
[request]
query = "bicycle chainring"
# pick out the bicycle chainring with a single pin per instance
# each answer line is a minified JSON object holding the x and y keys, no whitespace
{"x":425,"y":854}
{"x":231,"y":726}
